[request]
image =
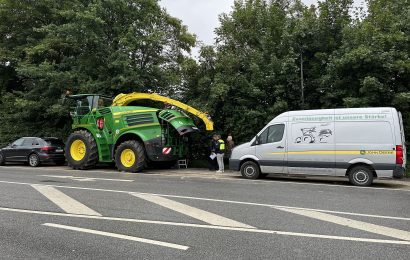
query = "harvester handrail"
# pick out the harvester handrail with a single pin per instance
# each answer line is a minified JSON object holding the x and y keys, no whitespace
{"x":125,"y":99}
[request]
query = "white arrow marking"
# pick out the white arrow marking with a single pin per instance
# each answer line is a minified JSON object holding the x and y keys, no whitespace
{"x":108,"y":234}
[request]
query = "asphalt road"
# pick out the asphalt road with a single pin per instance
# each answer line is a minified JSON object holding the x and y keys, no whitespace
{"x":55,"y":213}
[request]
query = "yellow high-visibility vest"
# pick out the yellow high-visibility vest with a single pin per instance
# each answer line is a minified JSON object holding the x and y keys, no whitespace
{"x":221,"y":145}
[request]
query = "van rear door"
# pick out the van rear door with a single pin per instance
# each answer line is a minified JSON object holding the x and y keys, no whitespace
{"x":403,"y":139}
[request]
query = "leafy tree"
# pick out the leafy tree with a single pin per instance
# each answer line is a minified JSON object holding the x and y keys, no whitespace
{"x":100,"y":46}
{"x":267,"y":50}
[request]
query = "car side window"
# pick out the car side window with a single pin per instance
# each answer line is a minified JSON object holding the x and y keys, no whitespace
{"x":36,"y":142}
{"x":263,"y":136}
{"x":272,"y":134}
{"x":19,"y":142}
{"x":275,"y":133}
{"x":28,"y":142}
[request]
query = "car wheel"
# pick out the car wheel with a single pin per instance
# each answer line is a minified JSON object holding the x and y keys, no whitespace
{"x":2,"y":159}
{"x":33,"y":160}
{"x":361,"y":176}
{"x":250,"y":170}
{"x":130,"y":156}
{"x":81,"y":150}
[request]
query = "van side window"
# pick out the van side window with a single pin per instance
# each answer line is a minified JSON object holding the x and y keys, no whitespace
{"x":272,"y":134}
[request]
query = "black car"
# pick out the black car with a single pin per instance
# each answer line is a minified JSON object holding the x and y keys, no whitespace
{"x":34,"y":151}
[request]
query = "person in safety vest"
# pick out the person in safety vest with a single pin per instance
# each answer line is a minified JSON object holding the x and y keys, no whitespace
{"x":219,"y":150}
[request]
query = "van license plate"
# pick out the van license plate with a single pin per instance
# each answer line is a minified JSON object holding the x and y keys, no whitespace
{"x":59,"y":150}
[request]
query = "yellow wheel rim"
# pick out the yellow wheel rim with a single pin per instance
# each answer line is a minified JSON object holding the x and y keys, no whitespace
{"x":128,"y":158}
{"x":78,"y":150}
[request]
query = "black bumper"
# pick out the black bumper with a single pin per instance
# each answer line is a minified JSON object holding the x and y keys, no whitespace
{"x":51,"y":157}
{"x":399,"y":172}
{"x":234,"y":164}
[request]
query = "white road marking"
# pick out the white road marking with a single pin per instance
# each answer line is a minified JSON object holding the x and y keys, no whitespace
{"x":250,"y":230}
{"x":196,"y":213}
{"x":217,"y":200}
{"x":364,"y":226}
{"x":109,"y":234}
{"x":85,"y":178}
{"x":223,"y":177}
{"x":65,"y":202}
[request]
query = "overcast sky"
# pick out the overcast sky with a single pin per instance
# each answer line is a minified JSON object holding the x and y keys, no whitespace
{"x":201,"y":16}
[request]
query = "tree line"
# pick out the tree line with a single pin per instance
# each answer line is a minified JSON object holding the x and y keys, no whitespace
{"x":269,"y":56}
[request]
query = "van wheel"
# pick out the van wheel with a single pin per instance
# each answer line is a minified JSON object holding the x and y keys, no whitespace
{"x":250,"y":170}
{"x":361,"y":176}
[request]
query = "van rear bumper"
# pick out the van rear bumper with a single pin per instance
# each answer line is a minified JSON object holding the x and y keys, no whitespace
{"x":399,"y":172}
{"x":234,"y":164}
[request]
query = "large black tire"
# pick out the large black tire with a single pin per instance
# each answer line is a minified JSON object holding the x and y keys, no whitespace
{"x":361,"y":176}
{"x":33,"y":160}
{"x":90,"y":153}
{"x":130,"y":156}
{"x":2,"y":159}
{"x":250,"y":170}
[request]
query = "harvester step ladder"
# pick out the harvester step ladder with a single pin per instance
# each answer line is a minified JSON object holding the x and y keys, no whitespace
{"x":182,"y":163}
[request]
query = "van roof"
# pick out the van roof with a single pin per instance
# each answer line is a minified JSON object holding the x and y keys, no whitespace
{"x":371,"y":110}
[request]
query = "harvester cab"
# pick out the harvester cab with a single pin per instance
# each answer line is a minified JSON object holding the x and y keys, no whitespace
{"x":106,"y":130}
{"x":84,"y":104}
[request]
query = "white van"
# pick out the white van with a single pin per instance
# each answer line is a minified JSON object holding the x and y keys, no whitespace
{"x":360,"y":143}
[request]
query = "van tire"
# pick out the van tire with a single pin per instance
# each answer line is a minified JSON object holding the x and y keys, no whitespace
{"x":361,"y":176}
{"x":250,"y":170}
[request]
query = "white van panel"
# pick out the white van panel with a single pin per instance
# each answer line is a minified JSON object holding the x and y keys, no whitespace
{"x":311,"y":147}
{"x":364,"y":133}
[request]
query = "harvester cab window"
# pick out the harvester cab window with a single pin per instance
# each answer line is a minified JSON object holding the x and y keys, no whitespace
{"x":100,"y":102}
{"x":84,"y":105}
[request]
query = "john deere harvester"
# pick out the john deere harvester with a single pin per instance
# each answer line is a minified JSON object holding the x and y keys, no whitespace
{"x":106,"y":130}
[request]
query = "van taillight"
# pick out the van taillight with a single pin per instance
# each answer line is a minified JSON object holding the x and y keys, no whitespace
{"x":399,"y":154}
{"x":100,"y":123}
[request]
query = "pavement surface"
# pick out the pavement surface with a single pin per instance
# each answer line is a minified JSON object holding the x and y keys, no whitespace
{"x":58,"y":213}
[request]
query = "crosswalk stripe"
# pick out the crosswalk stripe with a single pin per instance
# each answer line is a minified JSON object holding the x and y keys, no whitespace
{"x":65,"y":202}
{"x":114,"y":235}
{"x":196,"y":213}
{"x":189,"y":225}
{"x":364,"y":226}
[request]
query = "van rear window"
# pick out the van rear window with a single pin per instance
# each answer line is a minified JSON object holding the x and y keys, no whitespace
{"x":363,"y":132}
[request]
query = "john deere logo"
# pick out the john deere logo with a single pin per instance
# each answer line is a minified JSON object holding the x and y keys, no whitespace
{"x":362,"y":152}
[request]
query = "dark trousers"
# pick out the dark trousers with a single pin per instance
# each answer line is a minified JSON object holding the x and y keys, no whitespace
{"x":212,"y":164}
